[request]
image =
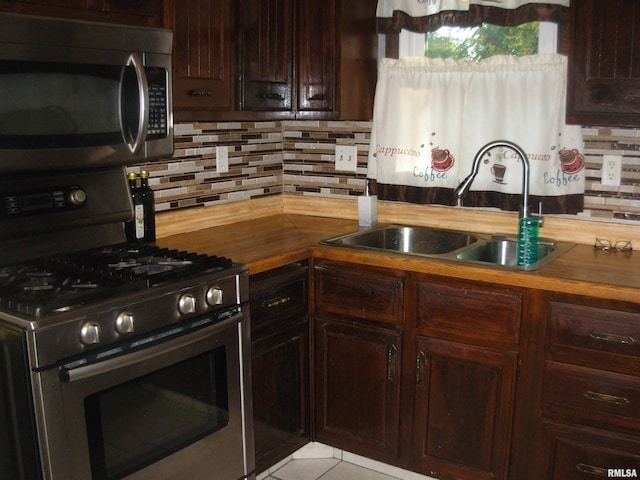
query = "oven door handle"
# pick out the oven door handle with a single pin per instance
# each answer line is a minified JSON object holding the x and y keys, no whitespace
{"x":179,"y":345}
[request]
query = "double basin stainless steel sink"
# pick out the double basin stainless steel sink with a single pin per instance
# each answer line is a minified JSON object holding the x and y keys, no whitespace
{"x":448,"y":244}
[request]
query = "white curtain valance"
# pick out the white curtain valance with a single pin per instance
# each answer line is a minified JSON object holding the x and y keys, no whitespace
{"x":431,"y":116}
{"x":422,"y":8}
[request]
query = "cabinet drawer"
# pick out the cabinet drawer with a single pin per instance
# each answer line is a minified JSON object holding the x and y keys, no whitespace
{"x":359,"y":292}
{"x":586,"y":454}
{"x":592,"y":396}
{"x":595,"y":336}
{"x":469,"y":312}
{"x":278,"y":294}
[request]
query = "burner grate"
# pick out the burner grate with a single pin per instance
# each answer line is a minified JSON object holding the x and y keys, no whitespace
{"x":60,"y":283}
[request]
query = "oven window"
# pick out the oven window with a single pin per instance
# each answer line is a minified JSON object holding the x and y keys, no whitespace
{"x":140,"y":422}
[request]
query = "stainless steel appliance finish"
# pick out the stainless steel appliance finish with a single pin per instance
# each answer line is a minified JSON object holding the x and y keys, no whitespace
{"x":136,"y":363}
{"x":82,"y":94}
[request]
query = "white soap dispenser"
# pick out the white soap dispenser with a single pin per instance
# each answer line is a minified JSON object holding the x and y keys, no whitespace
{"x":367,"y":208}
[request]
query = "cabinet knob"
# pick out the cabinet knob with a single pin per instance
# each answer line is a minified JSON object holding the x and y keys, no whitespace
{"x":200,"y":93}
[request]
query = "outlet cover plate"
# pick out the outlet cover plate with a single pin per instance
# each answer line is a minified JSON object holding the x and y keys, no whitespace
{"x":611,"y":170}
{"x":222,"y":158}
{"x":347,"y":158}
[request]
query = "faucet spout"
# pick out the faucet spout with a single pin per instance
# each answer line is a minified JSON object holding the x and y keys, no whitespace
{"x":462,"y":189}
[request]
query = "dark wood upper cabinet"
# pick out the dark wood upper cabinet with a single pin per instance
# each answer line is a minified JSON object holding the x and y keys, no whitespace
{"x":203,"y":60}
{"x":266,"y":76}
{"x":273,"y":59}
{"x":146,"y":13}
{"x":604,"y":63}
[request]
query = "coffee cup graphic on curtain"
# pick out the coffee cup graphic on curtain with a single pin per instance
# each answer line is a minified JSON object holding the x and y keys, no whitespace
{"x":571,"y":161}
{"x":441,"y":159}
{"x":498,"y":171}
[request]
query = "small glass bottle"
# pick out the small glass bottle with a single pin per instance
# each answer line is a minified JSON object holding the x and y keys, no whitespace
{"x":148,"y":201}
{"x":134,"y":228}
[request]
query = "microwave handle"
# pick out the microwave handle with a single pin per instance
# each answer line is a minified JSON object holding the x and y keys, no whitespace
{"x":143,"y":97}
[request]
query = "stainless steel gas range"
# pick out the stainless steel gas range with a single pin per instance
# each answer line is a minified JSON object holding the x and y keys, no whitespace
{"x":117,"y":360}
{"x":121,"y":360}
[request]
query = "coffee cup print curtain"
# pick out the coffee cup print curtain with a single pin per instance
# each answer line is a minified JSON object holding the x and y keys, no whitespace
{"x":431,"y":116}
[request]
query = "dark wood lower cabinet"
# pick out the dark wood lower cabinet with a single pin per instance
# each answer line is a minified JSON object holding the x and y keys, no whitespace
{"x":357,"y":379}
{"x":416,"y":370}
{"x":463,"y":409}
{"x":280,"y":362}
{"x":280,"y":365}
{"x":575,"y":453}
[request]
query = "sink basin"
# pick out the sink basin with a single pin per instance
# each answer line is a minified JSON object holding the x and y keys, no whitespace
{"x":498,"y":251}
{"x":403,"y":239}
{"x":501,"y":252}
{"x":504,"y":252}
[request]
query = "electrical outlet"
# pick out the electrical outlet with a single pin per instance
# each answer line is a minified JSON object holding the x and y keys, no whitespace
{"x":222,"y":158}
{"x":611,"y":170}
{"x":347,"y":158}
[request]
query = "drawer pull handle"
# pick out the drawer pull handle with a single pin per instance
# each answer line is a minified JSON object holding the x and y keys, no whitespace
{"x":391,"y":362}
{"x":420,"y":363}
{"x":200,"y":93}
{"x":270,"y":96}
{"x":603,"y":397}
{"x":611,"y":338}
{"x":275,"y":302}
{"x":632,"y":98}
{"x":592,"y":470}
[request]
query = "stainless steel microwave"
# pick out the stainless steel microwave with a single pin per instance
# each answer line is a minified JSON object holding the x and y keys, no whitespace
{"x":78,"y":95}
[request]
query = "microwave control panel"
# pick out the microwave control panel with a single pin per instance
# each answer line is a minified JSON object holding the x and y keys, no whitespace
{"x":157,"y":84}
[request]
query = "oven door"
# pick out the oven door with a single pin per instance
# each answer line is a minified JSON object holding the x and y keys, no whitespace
{"x":174,"y":409}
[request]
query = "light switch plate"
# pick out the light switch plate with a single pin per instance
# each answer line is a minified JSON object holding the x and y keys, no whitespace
{"x":347,"y":158}
{"x":222,"y":158}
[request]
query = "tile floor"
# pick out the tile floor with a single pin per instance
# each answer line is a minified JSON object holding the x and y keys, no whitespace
{"x":316,"y":461}
{"x":325,"y":469}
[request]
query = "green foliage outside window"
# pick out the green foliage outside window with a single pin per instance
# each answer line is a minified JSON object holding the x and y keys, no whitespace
{"x":478,"y":43}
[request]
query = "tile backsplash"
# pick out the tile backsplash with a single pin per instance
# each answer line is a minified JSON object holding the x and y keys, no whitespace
{"x":297,"y":158}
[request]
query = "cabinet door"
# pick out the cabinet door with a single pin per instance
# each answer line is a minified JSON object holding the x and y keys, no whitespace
{"x":357,"y":388}
{"x":267,"y":54}
{"x":316,"y":55}
{"x":280,"y":374}
{"x":136,"y":12}
{"x":585,"y":454}
{"x":463,"y":409}
{"x":202,"y":57}
{"x":604,"y":64}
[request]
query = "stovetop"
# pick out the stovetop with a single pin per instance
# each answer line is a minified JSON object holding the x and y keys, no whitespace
{"x":60,"y":283}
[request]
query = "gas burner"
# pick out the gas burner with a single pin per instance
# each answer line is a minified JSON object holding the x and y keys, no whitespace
{"x":60,"y":283}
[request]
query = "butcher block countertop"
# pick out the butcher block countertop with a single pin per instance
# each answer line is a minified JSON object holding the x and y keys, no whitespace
{"x":278,"y":239}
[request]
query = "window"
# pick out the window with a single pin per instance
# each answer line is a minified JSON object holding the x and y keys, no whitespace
{"x":476,"y":43}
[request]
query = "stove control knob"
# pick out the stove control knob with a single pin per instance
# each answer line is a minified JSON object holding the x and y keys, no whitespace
{"x":214,"y":296}
{"x":124,"y":323}
{"x":90,"y":333}
{"x":187,"y":304}
{"x":77,"y":197}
